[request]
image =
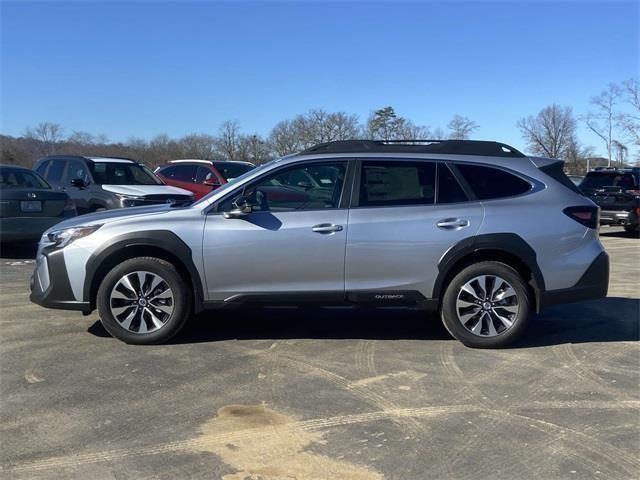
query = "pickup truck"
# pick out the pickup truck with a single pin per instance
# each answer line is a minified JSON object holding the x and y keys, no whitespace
{"x":617,"y":192}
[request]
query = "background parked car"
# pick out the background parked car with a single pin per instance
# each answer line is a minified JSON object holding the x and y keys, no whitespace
{"x":615,"y":191}
{"x":98,"y":183}
{"x":28,"y":205}
{"x":201,"y":176}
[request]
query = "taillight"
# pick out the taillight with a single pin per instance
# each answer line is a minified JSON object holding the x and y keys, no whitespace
{"x":633,"y":192}
{"x":587,"y":215}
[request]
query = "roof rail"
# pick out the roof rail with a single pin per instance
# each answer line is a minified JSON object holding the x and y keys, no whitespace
{"x":444,"y":147}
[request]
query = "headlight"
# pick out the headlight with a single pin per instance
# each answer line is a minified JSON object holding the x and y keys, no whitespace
{"x":128,"y":200}
{"x":62,"y":238}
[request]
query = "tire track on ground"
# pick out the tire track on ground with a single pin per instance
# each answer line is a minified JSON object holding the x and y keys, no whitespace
{"x":607,"y":453}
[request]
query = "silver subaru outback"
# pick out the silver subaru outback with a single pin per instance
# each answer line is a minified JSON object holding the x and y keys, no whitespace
{"x":474,"y":230}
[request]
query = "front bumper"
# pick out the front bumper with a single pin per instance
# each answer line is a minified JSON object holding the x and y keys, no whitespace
{"x":593,"y":284}
{"x":50,"y":285}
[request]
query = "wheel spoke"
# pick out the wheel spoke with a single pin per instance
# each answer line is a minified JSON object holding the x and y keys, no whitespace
{"x":126,"y":283}
{"x":165,"y":294}
{"x":509,"y":308}
{"x":504,"y":320}
{"x":504,"y":293}
{"x":141,"y":277}
{"x":477,"y":328}
{"x":492,"y":328}
{"x":126,"y":323}
{"x":120,"y":310}
{"x":165,"y":308}
{"x":121,"y":296}
{"x":470,"y":290}
{"x":156,"y":321}
{"x":155,"y":281}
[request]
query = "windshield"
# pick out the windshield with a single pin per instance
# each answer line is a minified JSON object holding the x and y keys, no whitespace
{"x":19,"y":178}
{"x":228,"y":186}
{"x":231,"y":171}
{"x":116,"y":173}
{"x":608,"y":179}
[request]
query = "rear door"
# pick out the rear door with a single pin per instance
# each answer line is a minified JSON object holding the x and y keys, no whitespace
{"x":80,"y":195}
{"x":401,"y":223}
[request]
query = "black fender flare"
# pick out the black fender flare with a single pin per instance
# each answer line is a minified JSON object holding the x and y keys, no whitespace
{"x":163,"y":239}
{"x":509,"y":243}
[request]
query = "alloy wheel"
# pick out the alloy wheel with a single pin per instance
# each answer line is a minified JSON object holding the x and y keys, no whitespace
{"x":487,"y":305}
{"x":141,"y":302}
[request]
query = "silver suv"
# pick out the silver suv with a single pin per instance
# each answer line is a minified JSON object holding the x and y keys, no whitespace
{"x":474,"y":230}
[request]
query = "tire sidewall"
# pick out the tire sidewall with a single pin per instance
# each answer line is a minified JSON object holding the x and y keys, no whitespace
{"x":449,"y":312}
{"x":177,"y":284}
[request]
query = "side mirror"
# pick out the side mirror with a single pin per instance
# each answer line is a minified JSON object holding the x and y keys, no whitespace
{"x":241,"y":207}
{"x":78,"y":182}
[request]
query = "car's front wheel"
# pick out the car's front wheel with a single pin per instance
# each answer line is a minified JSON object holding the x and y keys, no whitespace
{"x":143,"y":300}
{"x":486,"y":305}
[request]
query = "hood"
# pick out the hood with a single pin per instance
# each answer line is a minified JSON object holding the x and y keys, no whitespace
{"x":107,"y":216}
{"x":144,"y":190}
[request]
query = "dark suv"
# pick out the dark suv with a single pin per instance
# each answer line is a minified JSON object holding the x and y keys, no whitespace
{"x":100,"y":183}
{"x":617,"y":193}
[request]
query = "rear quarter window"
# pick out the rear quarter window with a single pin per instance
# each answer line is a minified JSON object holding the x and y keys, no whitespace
{"x":489,"y":183}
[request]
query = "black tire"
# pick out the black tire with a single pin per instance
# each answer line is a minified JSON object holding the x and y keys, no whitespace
{"x":180,"y":302}
{"x":455,"y":326}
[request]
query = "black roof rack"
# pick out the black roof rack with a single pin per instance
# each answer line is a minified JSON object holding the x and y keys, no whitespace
{"x":444,"y":147}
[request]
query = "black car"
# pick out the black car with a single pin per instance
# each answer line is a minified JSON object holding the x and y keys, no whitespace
{"x":28,"y":205}
{"x":101,"y":183}
{"x":617,"y":192}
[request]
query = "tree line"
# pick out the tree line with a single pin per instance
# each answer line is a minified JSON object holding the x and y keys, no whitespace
{"x":614,"y":118}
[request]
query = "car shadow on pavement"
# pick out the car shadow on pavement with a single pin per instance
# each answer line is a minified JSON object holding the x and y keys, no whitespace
{"x":619,"y":234}
{"x":611,"y":319}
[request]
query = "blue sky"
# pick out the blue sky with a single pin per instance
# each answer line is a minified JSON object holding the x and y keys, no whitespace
{"x":142,"y":68}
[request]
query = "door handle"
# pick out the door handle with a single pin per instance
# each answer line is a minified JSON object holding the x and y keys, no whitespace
{"x":452,"y":223}
{"x":326,"y":228}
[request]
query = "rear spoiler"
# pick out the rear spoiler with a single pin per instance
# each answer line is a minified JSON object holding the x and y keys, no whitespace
{"x":541,"y":162}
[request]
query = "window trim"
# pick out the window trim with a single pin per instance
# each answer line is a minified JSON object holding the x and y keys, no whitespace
{"x":345,"y":194}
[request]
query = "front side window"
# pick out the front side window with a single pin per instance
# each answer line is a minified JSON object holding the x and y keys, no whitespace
{"x":185,"y":173}
{"x":77,"y":170}
{"x":395,"y":183}
{"x":56,"y":170}
{"x":490,"y":183}
{"x":205,"y":175}
{"x":117,"y":173}
{"x":294,"y":189}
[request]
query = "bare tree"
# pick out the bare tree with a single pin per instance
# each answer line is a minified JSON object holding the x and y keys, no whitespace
{"x":629,"y":122}
{"x":86,"y":138}
{"x":620,"y":152}
{"x":48,"y":133}
{"x":460,"y":128}
{"x":385,"y":124}
{"x":551,"y":132}
{"x":228,"y":139}
{"x":254,"y":149}
{"x":283,"y":138}
{"x":603,"y":121}
{"x":198,"y":146}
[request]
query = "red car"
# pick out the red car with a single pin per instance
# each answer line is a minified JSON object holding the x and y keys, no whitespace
{"x":201,"y":176}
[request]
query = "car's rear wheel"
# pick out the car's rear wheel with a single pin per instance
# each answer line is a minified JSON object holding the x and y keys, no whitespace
{"x":143,"y":300}
{"x":486,"y":305}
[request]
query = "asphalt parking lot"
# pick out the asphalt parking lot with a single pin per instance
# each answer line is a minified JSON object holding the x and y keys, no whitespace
{"x":322,"y":393}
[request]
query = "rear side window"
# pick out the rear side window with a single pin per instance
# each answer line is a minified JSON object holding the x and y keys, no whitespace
{"x":488,"y":183}
{"x":397,"y":183}
{"x":56,"y":170}
{"x":185,"y":173}
{"x":449,"y":190}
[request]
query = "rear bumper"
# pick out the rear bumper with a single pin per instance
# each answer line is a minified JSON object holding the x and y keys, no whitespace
{"x":593,"y":284}
{"x":50,"y":285}
{"x":26,"y":228}
{"x":614,"y":217}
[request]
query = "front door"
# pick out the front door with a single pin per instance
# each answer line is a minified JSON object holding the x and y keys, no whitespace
{"x":293,"y":243}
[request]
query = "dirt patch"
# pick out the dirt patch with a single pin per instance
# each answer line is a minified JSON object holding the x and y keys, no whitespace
{"x":267,"y":445}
